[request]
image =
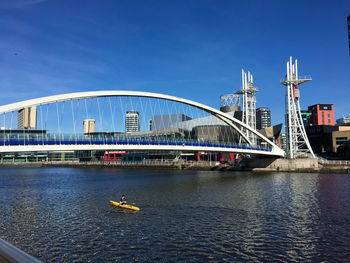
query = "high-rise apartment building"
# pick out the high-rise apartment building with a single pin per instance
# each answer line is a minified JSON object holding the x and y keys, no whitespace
{"x":263,"y":118}
{"x":89,"y":126}
{"x":132,"y":121}
{"x":322,"y":114}
{"x":27,"y":118}
{"x":284,"y":141}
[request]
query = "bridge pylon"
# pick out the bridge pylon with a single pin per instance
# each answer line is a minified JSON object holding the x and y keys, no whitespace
{"x":298,"y":144}
{"x":249,"y":104}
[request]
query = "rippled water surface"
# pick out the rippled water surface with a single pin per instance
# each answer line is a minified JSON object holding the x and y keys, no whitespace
{"x":63,"y":215}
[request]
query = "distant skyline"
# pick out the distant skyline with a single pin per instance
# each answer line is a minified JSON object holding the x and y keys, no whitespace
{"x":193,"y":49}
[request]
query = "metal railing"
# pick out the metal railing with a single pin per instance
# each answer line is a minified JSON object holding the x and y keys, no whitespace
{"x":334,"y":162}
{"x":70,"y":139}
{"x":308,"y":77}
{"x":11,"y":254}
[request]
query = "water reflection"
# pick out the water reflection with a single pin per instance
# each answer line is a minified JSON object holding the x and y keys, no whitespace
{"x":61,"y":214}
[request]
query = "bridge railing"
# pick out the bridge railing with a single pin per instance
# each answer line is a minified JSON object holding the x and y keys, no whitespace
{"x":75,"y":139}
{"x":12,"y":254}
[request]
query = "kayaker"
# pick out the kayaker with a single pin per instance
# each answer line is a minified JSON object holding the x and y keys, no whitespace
{"x":122,"y":200}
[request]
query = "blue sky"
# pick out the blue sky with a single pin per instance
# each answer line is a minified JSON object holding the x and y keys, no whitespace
{"x":193,"y":49}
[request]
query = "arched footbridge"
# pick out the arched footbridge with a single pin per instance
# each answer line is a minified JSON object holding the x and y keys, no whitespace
{"x":155,"y":122}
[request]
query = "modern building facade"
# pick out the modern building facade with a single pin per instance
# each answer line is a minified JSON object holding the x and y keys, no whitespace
{"x":320,"y":138}
{"x":89,"y":126}
{"x":132,"y":121}
{"x":27,"y":119}
{"x":340,"y":137}
{"x":218,"y":133}
{"x":284,"y":141}
{"x":166,"y":121}
{"x":322,"y":114}
{"x":343,"y":121}
{"x":263,"y":118}
{"x":204,"y":121}
{"x":230,"y":102}
{"x":273,"y":133}
{"x":307,"y":117}
{"x":328,"y":138}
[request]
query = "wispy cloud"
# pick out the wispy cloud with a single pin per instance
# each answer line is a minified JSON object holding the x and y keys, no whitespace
{"x":19,"y":3}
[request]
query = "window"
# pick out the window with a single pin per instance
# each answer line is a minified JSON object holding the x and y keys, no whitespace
{"x":322,"y":118}
{"x":341,"y":140}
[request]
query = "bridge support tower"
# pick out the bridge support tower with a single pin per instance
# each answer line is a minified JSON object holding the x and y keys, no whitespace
{"x":298,"y":144}
{"x":249,"y":103}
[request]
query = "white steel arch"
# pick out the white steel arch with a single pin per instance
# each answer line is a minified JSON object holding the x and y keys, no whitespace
{"x":231,"y":121}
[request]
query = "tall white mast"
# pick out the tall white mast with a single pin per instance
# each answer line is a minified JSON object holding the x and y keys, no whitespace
{"x":297,"y":142}
{"x":248,"y":103}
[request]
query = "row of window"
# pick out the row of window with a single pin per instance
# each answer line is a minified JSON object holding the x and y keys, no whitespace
{"x":328,"y":118}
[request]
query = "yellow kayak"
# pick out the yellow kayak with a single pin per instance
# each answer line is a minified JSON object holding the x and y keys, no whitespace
{"x":130,"y":207}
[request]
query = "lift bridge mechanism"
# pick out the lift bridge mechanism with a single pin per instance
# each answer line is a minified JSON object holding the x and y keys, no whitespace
{"x":248,"y":103}
{"x":297,"y":142}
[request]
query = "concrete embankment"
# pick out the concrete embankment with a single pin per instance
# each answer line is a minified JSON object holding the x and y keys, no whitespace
{"x":138,"y":165}
{"x":253,"y":165}
{"x":302,"y":165}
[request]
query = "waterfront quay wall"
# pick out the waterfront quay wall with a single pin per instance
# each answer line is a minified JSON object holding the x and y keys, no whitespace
{"x":203,"y":165}
{"x":295,"y":165}
{"x":250,"y":164}
{"x":281,"y":164}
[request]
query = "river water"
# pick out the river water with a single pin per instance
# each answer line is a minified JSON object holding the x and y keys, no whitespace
{"x":63,"y":215}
